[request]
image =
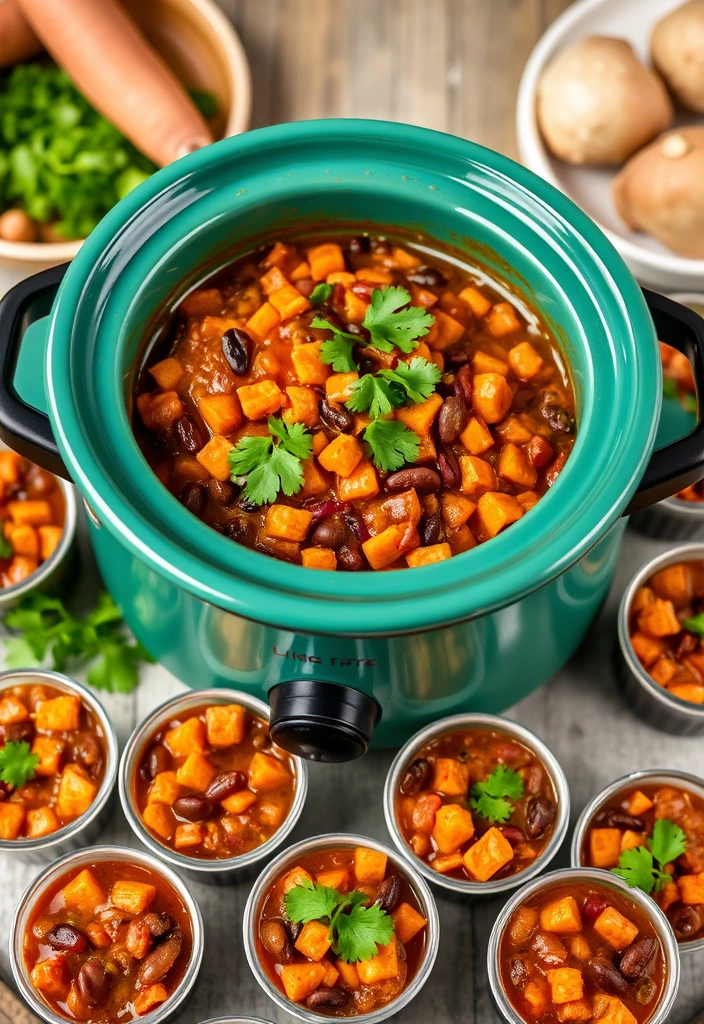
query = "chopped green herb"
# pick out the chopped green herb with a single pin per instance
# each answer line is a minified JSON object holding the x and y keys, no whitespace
{"x":356,"y":931}
{"x":415,"y":380}
{"x":689,"y":403}
{"x":669,"y":387}
{"x":643,"y":867}
{"x":320,"y":294}
{"x":372,"y":394}
{"x":391,"y":325}
{"x":492,"y":798}
{"x":5,"y":546}
{"x":695,"y":624}
{"x":392,"y":444}
{"x":385,"y":390}
{"x":338,"y":351}
{"x":271,"y":464}
{"x":17,"y":764}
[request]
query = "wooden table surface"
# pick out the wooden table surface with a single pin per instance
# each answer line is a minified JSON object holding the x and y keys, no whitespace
{"x":452,"y":65}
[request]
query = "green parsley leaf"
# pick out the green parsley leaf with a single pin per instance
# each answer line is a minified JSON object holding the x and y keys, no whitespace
{"x":668,"y":841}
{"x":695,"y":624}
{"x":392,"y":444}
{"x":373,"y":394}
{"x":361,"y":932}
{"x":271,"y":464}
{"x":389,"y":325}
{"x":5,"y":546}
{"x":643,"y":867}
{"x":416,"y":380}
{"x":320,"y":294}
{"x":17,"y":764}
{"x":491,"y":798}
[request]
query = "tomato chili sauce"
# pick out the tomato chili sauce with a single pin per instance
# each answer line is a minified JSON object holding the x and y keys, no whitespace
{"x":54,"y":747}
{"x":476,"y":804}
{"x":301,"y":961}
{"x":32,"y":513}
{"x":580,"y":952}
{"x":108,"y":943}
{"x":210,"y":783}
{"x":678,"y":383}
{"x":385,"y":468}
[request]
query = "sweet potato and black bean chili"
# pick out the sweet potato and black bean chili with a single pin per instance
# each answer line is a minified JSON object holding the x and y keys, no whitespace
{"x":342,"y":932}
{"x":346,"y":404}
{"x":678,"y":383}
{"x":108,"y":943}
{"x":653,"y":836}
{"x":667,"y":627}
{"x":212,"y":785}
{"x":52,"y":760}
{"x":32,"y":511}
{"x":476,"y":804}
{"x":581,"y":952}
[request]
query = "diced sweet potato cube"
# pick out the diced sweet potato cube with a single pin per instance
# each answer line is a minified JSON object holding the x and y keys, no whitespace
{"x":342,"y":455}
{"x":642,"y":597}
{"x":12,"y":710}
{"x":52,"y":977}
{"x":482,"y":362}
{"x":692,"y":692}
{"x":566,"y":984}
{"x":429,"y":555}
{"x":528,"y":499}
{"x":239,"y":802}
{"x":343,"y":277}
{"x":160,"y":819}
{"x":302,"y":407}
{"x":561,"y":916}
{"x":495,"y":511}
{"x":272,"y":280}
{"x":61,"y":714}
{"x":630,"y":840}
{"x":49,"y":539}
{"x":319,"y":558}
{"x":668,"y":895}
{"x":450,"y":776}
{"x":477,"y":475}
{"x":525,"y":362}
{"x":320,"y":441}
{"x":355,"y":307}
{"x":224,"y":724}
{"x":149,"y":997}
{"x":691,"y":888}
{"x":444,"y":332}
{"x":362,"y":483}
{"x":515,"y":430}
{"x":201,"y":302}
{"x":267,"y":772}
{"x":288,"y":301}
{"x":296,"y":876}
{"x":522,"y":924}
{"x":221,"y":413}
{"x":49,"y":750}
{"x":12,"y":817}
{"x":663,"y":671}
{"x":659,"y":619}
{"x":604,"y":847}
{"x":647,"y":649}
{"x":34,"y":513}
{"x":477,"y":302}
{"x":580,"y":1010}
{"x":167,"y":373}
{"x":196,"y":772}
{"x":261,"y":399}
{"x":188,"y":834}
{"x":214,"y":457}
{"x":349,"y":976}
{"x":444,"y":863}
{"x":287,"y":522}
{"x":299,"y":980}
{"x":375,"y":275}
{"x":382,"y":967}
{"x":76,"y":792}
{"x":338,"y":387}
{"x":134,"y":897}
{"x":386,"y":547}
{"x":282,"y":256}
{"x":325,"y":259}
{"x":456,"y":509}
{"x":420,"y":417}
{"x":270,"y":813}
{"x":334,"y":878}
{"x":618,"y":931}
{"x":369,"y":866}
{"x":639,"y":803}
{"x":9,"y":467}
{"x":488,"y":855}
{"x":610,"y":1010}
{"x":314,"y":481}
{"x":536,"y":994}
{"x":42,"y":821}
{"x":501,"y":319}
{"x":578,"y":946}
{"x":425,"y":808}
{"x":314,"y":941}
{"x":331,"y":975}
{"x":491,"y":397}
{"x":263,"y":322}
{"x":407,"y":922}
{"x":309,"y":367}
{"x":674,"y":583}
{"x":164,"y":788}
{"x":20,"y":568}
{"x":514,"y":465}
{"x":25,"y":541}
{"x":159,"y":410}
{"x":186,"y":738}
{"x":83,"y":892}
{"x":453,"y":827}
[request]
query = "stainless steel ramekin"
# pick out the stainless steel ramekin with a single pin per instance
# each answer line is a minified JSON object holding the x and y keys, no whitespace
{"x":607,"y":880}
{"x":653,"y":776}
{"x":85,"y":829}
{"x":288,"y":859}
{"x":650,"y":701}
{"x":84,"y":859}
{"x":236,"y":1020}
{"x":407,"y":754}
{"x":215,"y":872}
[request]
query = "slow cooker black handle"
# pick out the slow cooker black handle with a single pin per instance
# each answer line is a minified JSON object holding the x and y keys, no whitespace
{"x":322,"y":721}
{"x":24,"y":429}
{"x":681,"y":463}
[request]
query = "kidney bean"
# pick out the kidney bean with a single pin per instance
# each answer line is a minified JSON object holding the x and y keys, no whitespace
{"x":294,"y":929}
{"x":94,"y":983}
{"x":518,"y":970}
{"x":330,"y":533}
{"x":158,"y":924}
{"x":356,"y":523}
{"x":237,"y":349}
{"x":513,"y":835}
{"x":160,"y":961}
{"x":87,"y":750}
{"x":224,"y":785}
{"x":456,"y":357}
{"x":18,"y":732}
{"x":389,"y":893}
{"x":65,"y":936}
{"x":540,"y":451}
{"x":549,"y":948}
{"x":275,"y":940}
{"x":193,"y":808}
{"x":327,"y":998}
{"x":533,"y":779}
{"x":554,"y":470}
{"x":359,"y":245}
{"x":39,"y":484}
{"x":557,"y":418}
{"x":463,"y":385}
{"x":452,"y":419}
{"x":541,"y":814}
{"x":686,"y":922}
{"x":449,"y":467}
{"x":138,"y":938}
{"x":604,"y":974}
{"x":619,"y":819}
{"x":188,"y":434}
{"x":687,"y":645}
{"x":637,"y":956}
{"x":415,"y":777}
{"x":236,"y":529}
{"x":594,"y":905}
{"x":349,"y":559}
{"x":429,"y":529}
{"x":424,"y":480}
{"x":222,"y":491}
{"x":335,"y":416}
{"x":247,"y":506}
{"x":427,"y":277}
{"x":364,"y":290}
{"x":326,"y":508}
{"x":158,"y":760}
{"x":195,"y":497}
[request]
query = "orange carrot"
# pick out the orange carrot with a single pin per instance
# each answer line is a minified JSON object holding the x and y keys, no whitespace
{"x":117,"y":71}
{"x":17,"y":40}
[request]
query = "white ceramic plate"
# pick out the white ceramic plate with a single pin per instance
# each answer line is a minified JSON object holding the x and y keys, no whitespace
{"x":589,"y":187}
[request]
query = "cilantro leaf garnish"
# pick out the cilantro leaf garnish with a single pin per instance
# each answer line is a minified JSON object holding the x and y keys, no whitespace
{"x":5,"y":546}
{"x":271,"y":464}
{"x":389,"y":324}
{"x":695,"y":624}
{"x":669,"y":387}
{"x":689,"y":403}
{"x":324,"y":325}
{"x":373,"y":394}
{"x":356,"y":931}
{"x":17,"y":764}
{"x":491,"y":799}
{"x":338,"y":350}
{"x":415,"y":380}
{"x":643,"y":867}
{"x":320,"y":294}
{"x":392,"y":444}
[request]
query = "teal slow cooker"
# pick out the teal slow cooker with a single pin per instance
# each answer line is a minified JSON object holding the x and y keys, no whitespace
{"x":342,"y":654}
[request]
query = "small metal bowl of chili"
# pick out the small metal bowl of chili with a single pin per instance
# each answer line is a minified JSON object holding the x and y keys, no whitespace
{"x":385,"y":930}
{"x":58,"y":753}
{"x":661,"y":651}
{"x":106,"y":934}
{"x":203,"y":786}
{"x":661,"y":812}
{"x":477,"y":803}
{"x":579,"y":945}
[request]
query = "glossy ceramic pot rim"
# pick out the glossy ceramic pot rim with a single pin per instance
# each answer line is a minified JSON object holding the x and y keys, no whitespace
{"x":20,"y":677}
{"x":446,"y":180}
{"x":683,"y":780}
{"x":597,"y":877}
{"x":83,"y":858}
{"x":289,"y":858}
{"x":129,"y":763}
{"x":681,"y":553}
{"x":478,"y":721}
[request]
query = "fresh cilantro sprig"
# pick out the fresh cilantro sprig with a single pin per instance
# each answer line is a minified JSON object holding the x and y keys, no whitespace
{"x":378,"y":393}
{"x":320,"y":294}
{"x":392,"y":444}
{"x":491,"y":799}
{"x":643,"y":867}
{"x":695,"y":624}
{"x":271,"y":463}
{"x":389,"y":324}
{"x":50,"y":633}
{"x":17,"y":764}
{"x":355,"y":931}
{"x":338,"y":351}
{"x":6,"y":548}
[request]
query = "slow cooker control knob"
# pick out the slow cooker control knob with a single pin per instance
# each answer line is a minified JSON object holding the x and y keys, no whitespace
{"x":322,"y":721}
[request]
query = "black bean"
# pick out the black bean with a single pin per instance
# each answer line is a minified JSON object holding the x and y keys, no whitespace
{"x":606,"y":976}
{"x":452,"y":419}
{"x":94,"y":982}
{"x":456,"y":357}
{"x":195,"y":497}
{"x":65,"y":936}
{"x":156,"y":761}
{"x":335,"y":416}
{"x":349,"y":559}
{"x":224,"y":785}
{"x":686,"y":922}
{"x":637,"y":956}
{"x":327,"y":998}
{"x":463,"y":385}
{"x":557,"y":418}
{"x":223,"y":492}
{"x":329,"y":533}
{"x":389,"y":893}
{"x":193,"y":808}
{"x":449,"y":467}
{"x":415,"y":777}
{"x":294,"y":929}
{"x":236,"y":529}
{"x":512,"y":834}
{"x":541,"y":814}
{"x":159,"y":962}
{"x":247,"y":506}
{"x":359,"y":245}
{"x":276,"y":940}
{"x":237,"y":349}
{"x":427,"y":277}
{"x":429,"y":529}
{"x":424,"y":480}
{"x":188,"y":434}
